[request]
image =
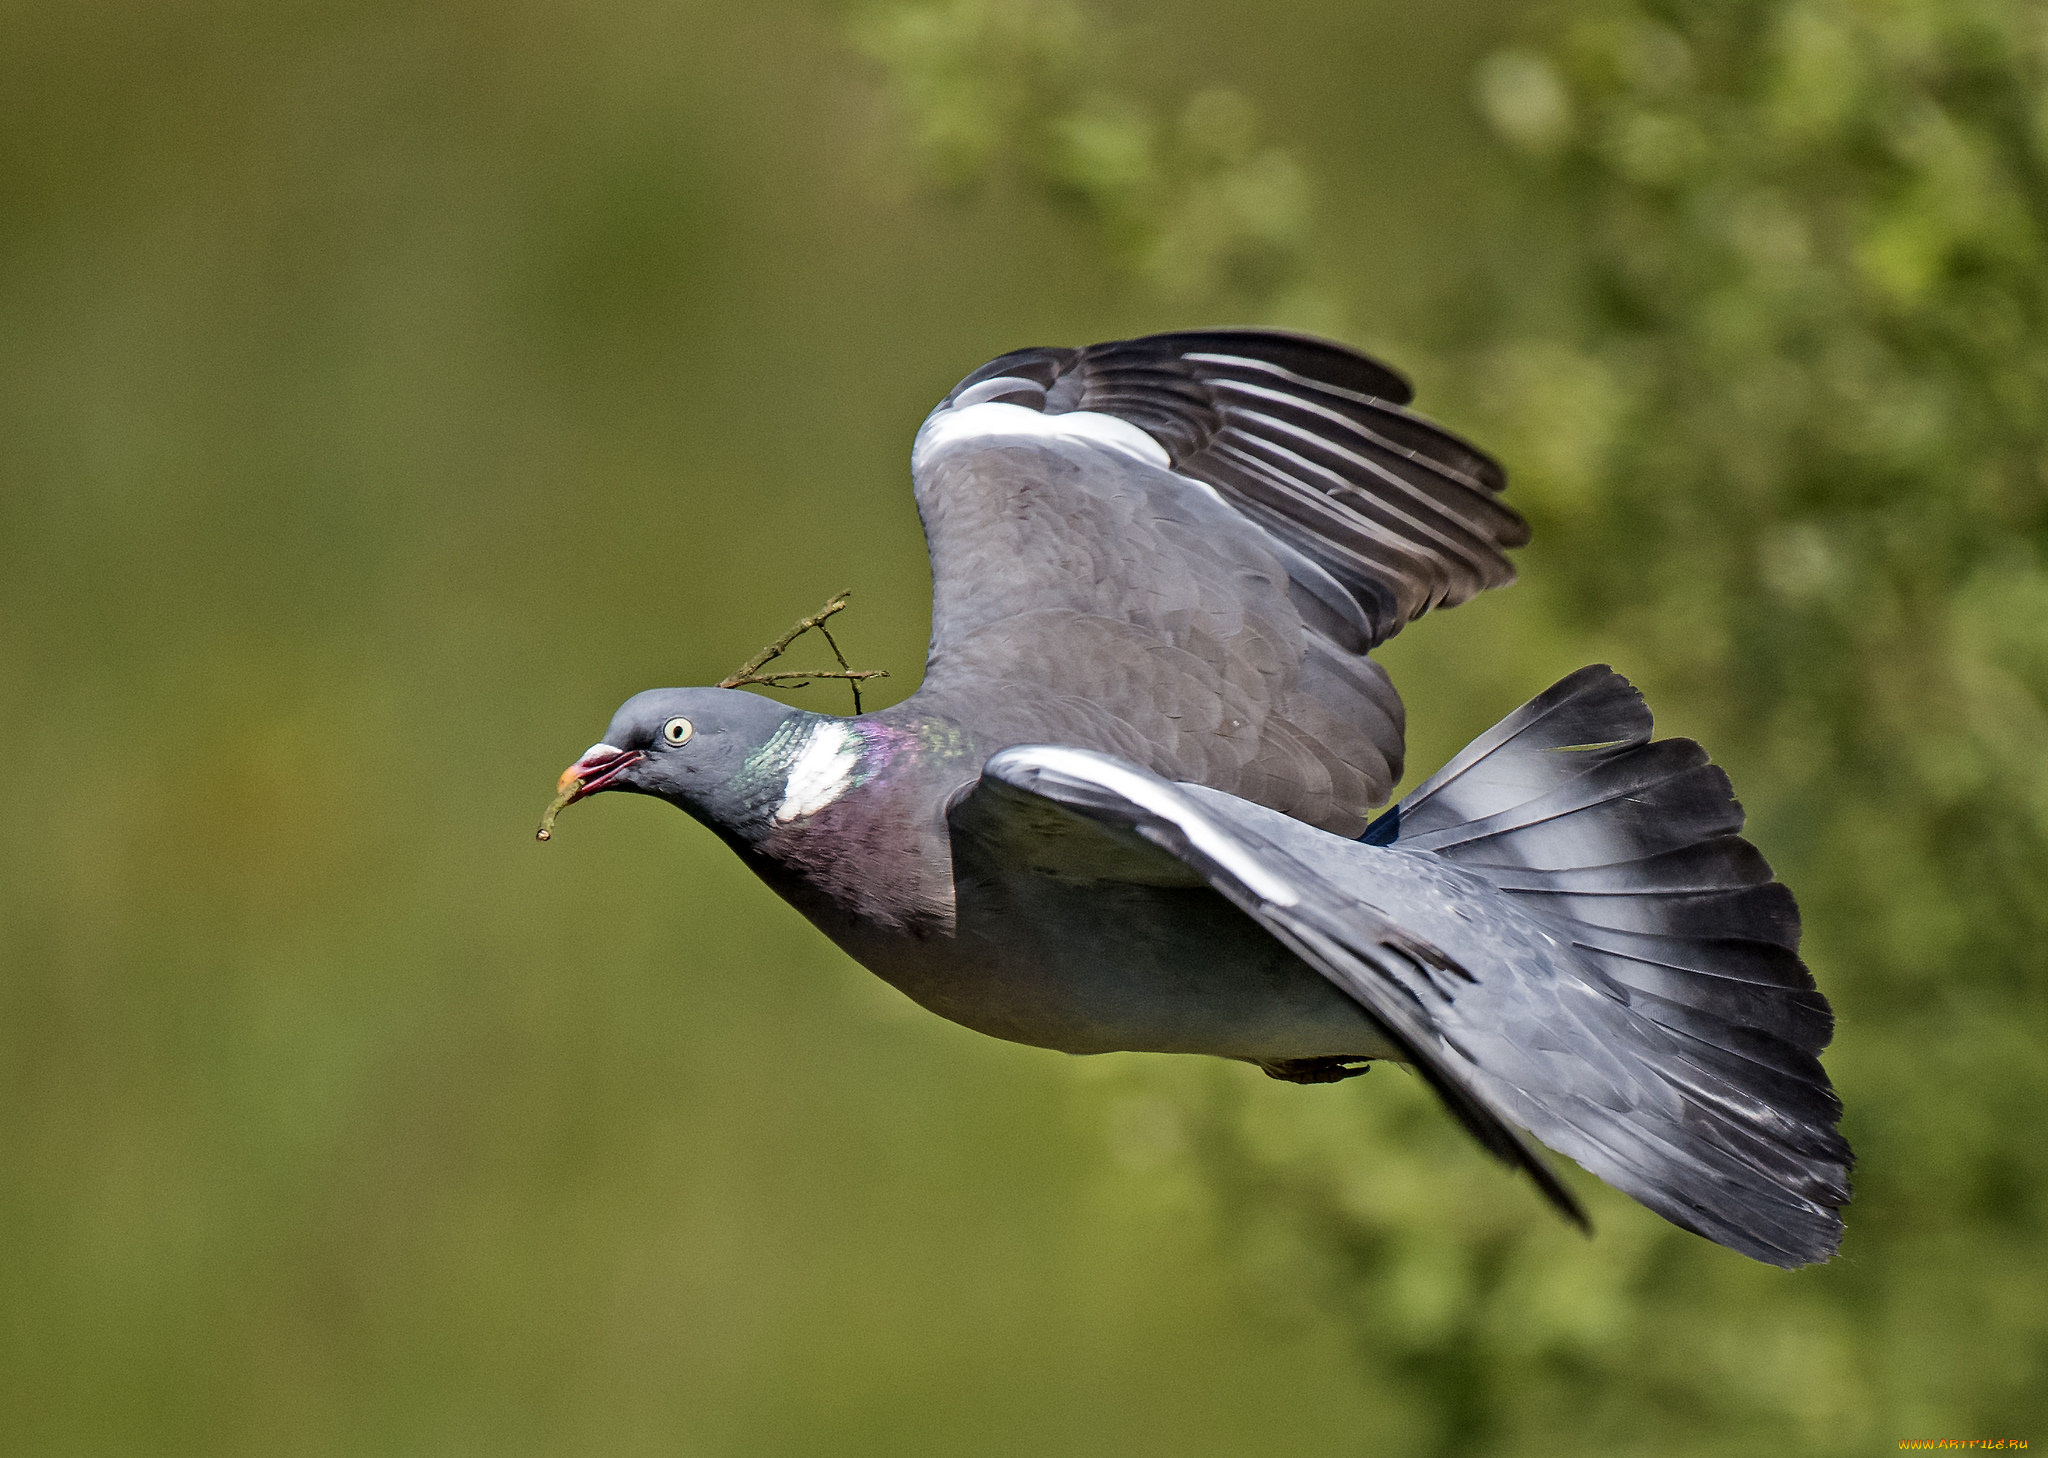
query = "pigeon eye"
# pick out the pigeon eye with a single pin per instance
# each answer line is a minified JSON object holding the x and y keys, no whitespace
{"x":678,"y":731}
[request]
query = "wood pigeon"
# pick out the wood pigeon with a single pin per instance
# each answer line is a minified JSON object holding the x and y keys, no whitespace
{"x":1130,"y":806}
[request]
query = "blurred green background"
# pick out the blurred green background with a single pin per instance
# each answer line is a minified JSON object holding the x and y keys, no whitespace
{"x":386,"y":391}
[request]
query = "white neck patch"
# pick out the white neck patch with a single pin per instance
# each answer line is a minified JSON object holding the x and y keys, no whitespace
{"x":821,"y":772}
{"x":995,"y":419}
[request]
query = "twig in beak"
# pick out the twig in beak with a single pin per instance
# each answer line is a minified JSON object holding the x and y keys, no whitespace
{"x":561,"y":802}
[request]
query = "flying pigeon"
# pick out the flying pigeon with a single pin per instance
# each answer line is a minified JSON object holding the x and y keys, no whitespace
{"x":1130,"y":808}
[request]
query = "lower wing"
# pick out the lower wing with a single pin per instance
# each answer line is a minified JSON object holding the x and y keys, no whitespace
{"x":1045,"y":805}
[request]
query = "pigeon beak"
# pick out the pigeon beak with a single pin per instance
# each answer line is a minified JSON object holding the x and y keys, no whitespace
{"x":600,"y":765}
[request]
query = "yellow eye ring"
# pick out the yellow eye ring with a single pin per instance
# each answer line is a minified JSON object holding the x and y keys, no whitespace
{"x":678,"y":731}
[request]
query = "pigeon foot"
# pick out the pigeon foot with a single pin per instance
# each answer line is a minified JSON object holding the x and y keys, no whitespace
{"x":1316,"y":1070}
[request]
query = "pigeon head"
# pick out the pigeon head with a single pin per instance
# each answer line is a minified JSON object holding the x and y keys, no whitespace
{"x":711,"y":751}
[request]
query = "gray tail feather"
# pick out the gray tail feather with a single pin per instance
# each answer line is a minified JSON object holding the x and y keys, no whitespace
{"x":1630,"y":848}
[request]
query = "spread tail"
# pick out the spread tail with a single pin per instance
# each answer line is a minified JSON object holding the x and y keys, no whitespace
{"x":1629,"y":850}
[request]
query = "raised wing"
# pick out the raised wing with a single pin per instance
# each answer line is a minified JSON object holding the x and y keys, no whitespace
{"x":1179,"y":549}
{"x":1163,"y":833}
